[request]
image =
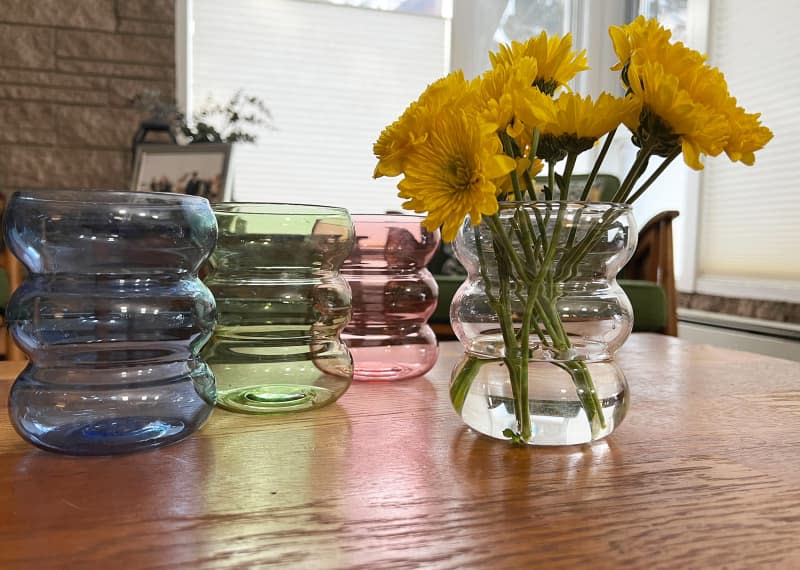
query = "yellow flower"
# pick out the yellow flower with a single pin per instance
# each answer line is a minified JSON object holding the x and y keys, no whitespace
{"x":640,"y":35}
{"x":395,"y":142}
{"x":671,"y":116}
{"x":556,"y":62}
{"x":747,"y":135}
{"x":684,"y":100}
{"x":578,"y":122}
{"x":398,"y":139}
{"x":452,"y":174}
{"x":509,"y":99}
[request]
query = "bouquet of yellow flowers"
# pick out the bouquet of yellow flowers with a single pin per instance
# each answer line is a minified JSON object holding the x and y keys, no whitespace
{"x":470,"y":152}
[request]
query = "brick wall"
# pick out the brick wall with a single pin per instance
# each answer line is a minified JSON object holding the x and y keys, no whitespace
{"x":68,"y":69}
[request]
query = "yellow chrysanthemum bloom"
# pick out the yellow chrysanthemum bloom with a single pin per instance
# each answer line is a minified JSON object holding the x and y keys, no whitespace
{"x":639,"y":35}
{"x":704,"y":116}
{"x":578,"y":122}
{"x":747,"y":135}
{"x":670,"y":117}
{"x":398,"y":139}
{"x":509,"y":99}
{"x":453,"y":173}
{"x":499,"y":93}
{"x":556,"y":62}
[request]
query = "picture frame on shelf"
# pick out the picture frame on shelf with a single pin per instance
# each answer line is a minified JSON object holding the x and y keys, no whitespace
{"x":201,"y":169}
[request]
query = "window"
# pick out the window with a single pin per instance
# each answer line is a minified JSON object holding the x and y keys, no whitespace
{"x":678,"y":186}
{"x":735,"y":235}
{"x":748,"y":224}
{"x":335,"y":73}
{"x":479,"y":26}
{"x":332,"y":75}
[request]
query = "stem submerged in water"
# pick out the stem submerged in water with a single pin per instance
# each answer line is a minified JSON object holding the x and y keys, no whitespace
{"x":527,"y":260}
{"x":459,"y":387}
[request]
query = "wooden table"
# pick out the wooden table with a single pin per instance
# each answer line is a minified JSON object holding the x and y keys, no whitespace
{"x":704,"y":473}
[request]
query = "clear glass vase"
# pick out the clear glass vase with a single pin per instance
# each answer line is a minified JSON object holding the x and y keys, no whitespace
{"x":281,"y":306}
{"x":540,"y":316}
{"x":112,"y":316}
{"x":394,"y":294}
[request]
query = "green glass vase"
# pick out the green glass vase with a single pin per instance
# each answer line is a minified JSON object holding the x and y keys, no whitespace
{"x":281,"y":306}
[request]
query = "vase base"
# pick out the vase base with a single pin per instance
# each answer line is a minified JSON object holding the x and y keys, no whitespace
{"x":552,"y":422}
{"x":88,"y":417}
{"x":274,"y":398}
{"x":383,"y":371}
{"x":113,"y":436}
{"x":392,"y":361}
{"x":556,"y":401}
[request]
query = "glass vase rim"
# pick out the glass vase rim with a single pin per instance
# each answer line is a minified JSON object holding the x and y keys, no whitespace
{"x":364,"y":217}
{"x":510,"y":204}
{"x":101,"y":197}
{"x":261,"y":208}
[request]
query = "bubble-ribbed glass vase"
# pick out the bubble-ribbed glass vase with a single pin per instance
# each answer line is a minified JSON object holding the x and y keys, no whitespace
{"x":540,"y":316}
{"x":281,"y":306}
{"x":112,"y":316}
{"x":394,"y":294}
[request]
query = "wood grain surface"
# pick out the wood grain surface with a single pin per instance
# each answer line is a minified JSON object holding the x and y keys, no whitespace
{"x":703,"y":473}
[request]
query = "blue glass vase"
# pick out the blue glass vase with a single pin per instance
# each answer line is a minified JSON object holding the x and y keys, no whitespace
{"x":112,"y":316}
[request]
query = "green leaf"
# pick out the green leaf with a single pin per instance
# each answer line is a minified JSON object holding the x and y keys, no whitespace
{"x":516,"y":439}
{"x":460,"y":385}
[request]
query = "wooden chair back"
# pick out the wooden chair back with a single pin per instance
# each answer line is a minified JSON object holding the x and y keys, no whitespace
{"x":653,"y":261}
{"x":13,"y":270}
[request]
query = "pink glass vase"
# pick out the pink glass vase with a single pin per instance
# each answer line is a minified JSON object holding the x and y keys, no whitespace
{"x":394,"y":294}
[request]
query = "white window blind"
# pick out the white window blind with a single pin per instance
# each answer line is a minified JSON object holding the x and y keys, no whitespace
{"x":332,"y":76}
{"x":749,"y":223}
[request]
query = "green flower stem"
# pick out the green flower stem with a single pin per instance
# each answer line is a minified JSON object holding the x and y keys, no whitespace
{"x":596,"y":168}
{"x":590,"y":182}
{"x":551,"y":180}
{"x":573,"y":232}
{"x":636,"y":171}
{"x":461,"y":384}
{"x":510,"y":148}
{"x":501,"y":307}
{"x":540,"y":315}
{"x":534,"y":325}
{"x":496,"y":226}
{"x":487,"y":283}
{"x":555,"y":328}
{"x":542,"y":229}
{"x":524,"y":419}
{"x":661,"y":168}
{"x":567,"y":265}
{"x":517,"y":357}
{"x":532,"y":158}
{"x":587,"y":394}
{"x":530,"y":187}
{"x":569,"y":166}
{"x":578,"y":371}
{"x":513,"y":351}
{"x":525,"y":233}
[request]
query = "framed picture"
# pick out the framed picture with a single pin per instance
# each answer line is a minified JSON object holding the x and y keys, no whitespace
{"x":200,"y":169}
